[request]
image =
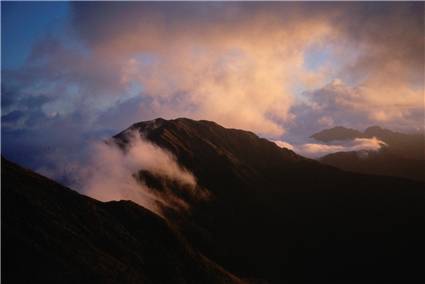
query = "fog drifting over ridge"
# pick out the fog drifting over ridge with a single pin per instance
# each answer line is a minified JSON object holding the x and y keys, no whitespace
{"x":111,"y":174}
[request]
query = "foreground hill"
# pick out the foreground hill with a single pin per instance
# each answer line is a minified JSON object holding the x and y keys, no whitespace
{"x":51,"y":234}
{"x":402,"y":156}
{"x":278,"y":216}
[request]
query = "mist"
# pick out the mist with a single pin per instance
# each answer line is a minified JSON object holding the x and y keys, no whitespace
{"x":317,"y":150}
{"x":111,"y":174}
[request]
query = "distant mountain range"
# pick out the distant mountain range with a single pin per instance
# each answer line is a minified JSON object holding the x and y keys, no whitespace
{"x":272,"y":217}
{"x":403,"y":155}
{"x":337,"y":133}
{"x":411,"y":146}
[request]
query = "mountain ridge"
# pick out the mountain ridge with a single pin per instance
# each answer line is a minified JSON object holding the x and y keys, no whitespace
{"x":337,"y":133}
{"x":272,"y":215}
{"x":277,"y":205}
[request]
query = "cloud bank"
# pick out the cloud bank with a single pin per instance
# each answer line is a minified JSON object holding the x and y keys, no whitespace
{"x":243,"y":64}
{"x":317,"y":150}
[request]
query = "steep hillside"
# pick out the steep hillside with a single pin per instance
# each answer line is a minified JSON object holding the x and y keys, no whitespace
{"x":382,"y":162}
{"x":281,"y":217}
{"x":51,"y":234}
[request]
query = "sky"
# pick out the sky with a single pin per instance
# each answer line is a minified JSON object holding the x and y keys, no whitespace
{"x":77,"y":72}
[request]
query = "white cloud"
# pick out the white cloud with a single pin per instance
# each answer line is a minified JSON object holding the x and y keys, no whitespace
{"x":316,"y":150}
{"x":110,"y":175}
{"x":283,"y":144}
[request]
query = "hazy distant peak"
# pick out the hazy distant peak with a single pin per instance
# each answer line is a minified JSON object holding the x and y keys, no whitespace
{"x":337,"y":133}
{"x":374,"y":128}
{"x":378,"y":131}
{"x":344,"y":133}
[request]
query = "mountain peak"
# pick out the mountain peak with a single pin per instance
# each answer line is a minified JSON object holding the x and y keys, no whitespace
{"x":176,"y":122}
{"x":374,"y":127}
{"x":377,"y":131}
{"x":209,"y":149}
{"x":337,"y":133}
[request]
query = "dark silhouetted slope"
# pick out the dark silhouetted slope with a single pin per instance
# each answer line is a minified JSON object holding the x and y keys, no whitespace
{"x":278,"y":216}
{"x":380,"y":162}
{"x":51,"y":234}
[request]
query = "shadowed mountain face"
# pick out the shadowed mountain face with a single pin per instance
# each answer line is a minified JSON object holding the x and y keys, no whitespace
{"x":275,"y":215}
{"x":403,"y":155}
{"x":51,"y":234}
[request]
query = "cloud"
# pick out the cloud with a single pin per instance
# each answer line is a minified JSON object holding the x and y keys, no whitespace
{"x":283,"y":144}
{"x":279,"y":69}
{"x":111,"y":173}
{"x":241,"y":64}
{"x":380,"y":79}
{"x":219,"y":65}
{"x":337,"y":103}
{"x":316,"y":150}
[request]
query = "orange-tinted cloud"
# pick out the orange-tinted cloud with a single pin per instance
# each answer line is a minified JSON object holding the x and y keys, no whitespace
{"x":276,"y":68}
{"x":243,"y":64}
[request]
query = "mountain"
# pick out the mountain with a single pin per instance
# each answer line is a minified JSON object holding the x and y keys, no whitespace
{"x":277,"y":216}
{"x":271,"y":216}
{"x":381,"y":162}
{"x":337,"y":133}
{"x":402,"y":156}
{"x":408,"y":146}
{"x":51,"y":234}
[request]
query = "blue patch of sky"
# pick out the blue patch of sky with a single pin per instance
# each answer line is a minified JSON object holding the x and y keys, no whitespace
{"x":143,"y":60}
{"x":146,"y":58}
{"x":317,"y":57}
{"x":24,"y":23}
{"x":134,"y":89}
